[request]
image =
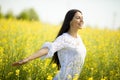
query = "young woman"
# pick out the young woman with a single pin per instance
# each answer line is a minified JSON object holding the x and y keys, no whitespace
{"x":67,"y":50}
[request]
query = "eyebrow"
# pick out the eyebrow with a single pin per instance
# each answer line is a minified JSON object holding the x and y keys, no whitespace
{"x":79,"y":16}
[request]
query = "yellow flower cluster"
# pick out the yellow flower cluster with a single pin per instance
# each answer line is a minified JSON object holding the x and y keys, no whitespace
{"x":17,"y":72}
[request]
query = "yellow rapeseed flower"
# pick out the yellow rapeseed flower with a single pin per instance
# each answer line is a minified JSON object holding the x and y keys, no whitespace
{"x":92,"y":69}
{"x":49,"y":77}
{"x":54,"y":65}
{"x":102,"y":79}
{"x":17,"y":72}
{"x":76,"y":77}
{"x":91,"y":78}
{"x":0,"y":60}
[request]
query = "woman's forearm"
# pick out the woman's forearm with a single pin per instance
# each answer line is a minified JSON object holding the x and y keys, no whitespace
{"x":39,"y":53}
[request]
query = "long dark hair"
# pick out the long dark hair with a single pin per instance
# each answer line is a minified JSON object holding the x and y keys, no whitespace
{"x":65,"y":27}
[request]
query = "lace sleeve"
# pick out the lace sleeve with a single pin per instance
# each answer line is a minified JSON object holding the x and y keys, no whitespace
{"x":58,"y":44}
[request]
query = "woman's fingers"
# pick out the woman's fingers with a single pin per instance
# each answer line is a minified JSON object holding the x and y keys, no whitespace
{"x":19,"y":63}
{"x":16,"y":64}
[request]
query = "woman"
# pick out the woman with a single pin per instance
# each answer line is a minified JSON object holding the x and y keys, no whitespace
{"x":68,"y":50}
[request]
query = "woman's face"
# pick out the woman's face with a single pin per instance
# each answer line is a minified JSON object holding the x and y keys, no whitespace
{"x":77,"y":21}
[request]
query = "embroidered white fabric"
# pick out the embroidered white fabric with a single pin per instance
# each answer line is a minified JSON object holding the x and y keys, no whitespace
{"x":71,"y":54}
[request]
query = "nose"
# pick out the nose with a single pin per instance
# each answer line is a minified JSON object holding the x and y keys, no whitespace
{"x":81,"y":20}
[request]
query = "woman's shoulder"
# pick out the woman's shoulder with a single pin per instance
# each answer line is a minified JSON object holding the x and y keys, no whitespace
{"x":68,"y":36}
{"x":63,"y":37}
{"x":64,"y":34}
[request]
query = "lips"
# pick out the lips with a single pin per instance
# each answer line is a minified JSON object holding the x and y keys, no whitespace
{"x":79,"y":24}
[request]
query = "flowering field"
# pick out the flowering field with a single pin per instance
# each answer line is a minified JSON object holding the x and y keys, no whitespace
{"x":19,"y":39}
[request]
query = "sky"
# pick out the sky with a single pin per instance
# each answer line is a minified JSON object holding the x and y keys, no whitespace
{"x":100,"y":13}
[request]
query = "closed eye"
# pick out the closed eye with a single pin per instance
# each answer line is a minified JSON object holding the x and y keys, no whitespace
{"x":78,"y":17}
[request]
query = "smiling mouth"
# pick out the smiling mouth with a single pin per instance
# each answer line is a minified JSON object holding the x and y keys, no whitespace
{"x":79,"y":24}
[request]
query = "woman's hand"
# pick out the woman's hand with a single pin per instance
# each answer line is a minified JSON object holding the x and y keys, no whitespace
{"x":20,"y":62}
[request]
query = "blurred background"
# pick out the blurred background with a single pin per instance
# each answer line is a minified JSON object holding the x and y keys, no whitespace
{"x":26,"y":24}
{"x":97,"y":13}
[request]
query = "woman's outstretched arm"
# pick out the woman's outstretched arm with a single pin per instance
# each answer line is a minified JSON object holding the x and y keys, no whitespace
{"x":41,"y":52}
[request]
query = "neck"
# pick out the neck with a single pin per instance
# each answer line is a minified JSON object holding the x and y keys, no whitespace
{"x":73,"y":32}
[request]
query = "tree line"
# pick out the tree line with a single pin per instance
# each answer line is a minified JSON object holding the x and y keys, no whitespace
{"x":27,"y":14}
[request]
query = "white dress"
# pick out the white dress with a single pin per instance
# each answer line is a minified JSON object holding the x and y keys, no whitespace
{"x":71,"y":54}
